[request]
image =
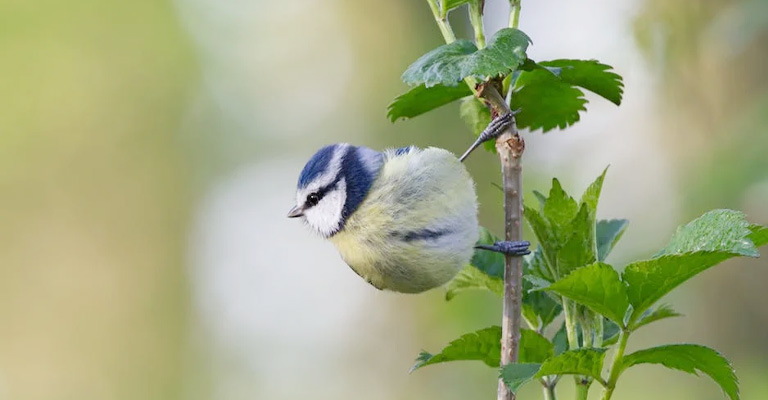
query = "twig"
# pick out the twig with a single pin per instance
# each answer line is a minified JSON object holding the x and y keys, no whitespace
{"x":510,"y":147}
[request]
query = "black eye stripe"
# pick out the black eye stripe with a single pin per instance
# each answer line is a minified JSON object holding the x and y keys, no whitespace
{"x":320,"y":193}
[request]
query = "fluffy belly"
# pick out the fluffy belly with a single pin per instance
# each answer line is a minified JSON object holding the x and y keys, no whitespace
{"x":404,"y":267}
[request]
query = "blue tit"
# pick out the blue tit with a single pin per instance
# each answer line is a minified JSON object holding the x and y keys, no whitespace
{"x":405,"y":220}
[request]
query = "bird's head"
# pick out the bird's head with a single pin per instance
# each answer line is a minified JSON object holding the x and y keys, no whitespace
{"x":332,"y":185}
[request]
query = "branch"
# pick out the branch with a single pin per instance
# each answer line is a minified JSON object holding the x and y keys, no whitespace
{"x":510,"y":147}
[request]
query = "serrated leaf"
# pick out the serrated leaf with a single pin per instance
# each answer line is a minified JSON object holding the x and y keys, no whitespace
{"x":598,"y":287}
{"x":534,"y":348}
{"x":648,"y":281}
{"x":504,"y":53}
{"x":450,"y":63}
{"x":516,"y":375}
{"x":716,"y":230}
{"x":662,"y":312}
{"x":443,"y":65}
{"x":477,"y":117}
{"x":560,"y":209}
{"x":546,"y":102}
{"x":689,"y":358}
{"x":483,"y":345}
{"x":471,"y":278}
{"x":759,"y":235}
{"x":489,"y":262}
{"x":544,"y":234}
{"x":579,"y":250}
{"x":591,"y":196}
{"x":590,"y":75}
{"x":712,"y":238}
{"x":587,"y":361}
{"x":421,"y":99}
{"x":608,"y":233}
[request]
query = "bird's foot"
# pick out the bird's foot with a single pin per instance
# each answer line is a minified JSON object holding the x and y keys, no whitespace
{"x":510,"y":248}
{"x":492,"y":131}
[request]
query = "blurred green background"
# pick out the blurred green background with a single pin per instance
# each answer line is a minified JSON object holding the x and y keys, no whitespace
{"x":149,"y":151}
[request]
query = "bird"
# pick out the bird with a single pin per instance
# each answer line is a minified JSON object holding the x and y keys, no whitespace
{"x":405,"y":220}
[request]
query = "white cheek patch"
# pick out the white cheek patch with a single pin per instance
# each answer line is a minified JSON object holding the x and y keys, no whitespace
{"x":325,"y":217}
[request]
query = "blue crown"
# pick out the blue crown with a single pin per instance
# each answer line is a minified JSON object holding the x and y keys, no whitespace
{"x":317,"y":165}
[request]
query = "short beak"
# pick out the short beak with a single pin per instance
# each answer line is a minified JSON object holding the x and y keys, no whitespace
{"x":296,"y":211}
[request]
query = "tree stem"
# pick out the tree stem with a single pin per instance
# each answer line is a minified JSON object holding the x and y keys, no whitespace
{"x":510,"y":147}
{"x":616,"y":365}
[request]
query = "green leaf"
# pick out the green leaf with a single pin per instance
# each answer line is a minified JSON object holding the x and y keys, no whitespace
{"x":543,"y":306}
{"x":560,"y":209}
{"x":540,"y":307}
{"x":483,"y":345}
{"x":537,"y":267}
{"x":443,"y":65}
{"x":590,"y":75}
{"x":712,"y":238}
{"x":689,"y":358}
{"x":477,"y":117}
{"x":661,"y":312}
{"x":533,"y":347}
{"x":450,"y":63}
{"x":608,"y":233}
{"x":489,"y":262}
{"x":560,"y":340}
{"x":611,"y":332}
{"x":546,"y":102}
{"x":592,"y":194}
{"x":517,"y":374}
{"x":504,"y":53}
{"x":648,"y":281}
{"x":579,"y":250}
{"x":598,"y":287}
{"x":544,"y":234}
{"x":759,"y":235}
{"x":421,"y":99}
{"x":471,"y":278}
{"x":587,"y":361}
{"x":716,"y":230}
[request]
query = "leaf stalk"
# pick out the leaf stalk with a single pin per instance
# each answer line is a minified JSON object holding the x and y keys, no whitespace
{"x":616,"y":367}
{"x":514,"y":13}
{"x":476,"y":18}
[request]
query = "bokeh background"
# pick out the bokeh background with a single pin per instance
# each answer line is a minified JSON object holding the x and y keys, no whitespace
{"x":149,"y":151}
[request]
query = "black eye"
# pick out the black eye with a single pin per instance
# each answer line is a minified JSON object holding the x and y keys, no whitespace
{"x":313,"y":199}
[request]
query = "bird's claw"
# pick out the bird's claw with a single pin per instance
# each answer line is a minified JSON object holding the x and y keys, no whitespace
{"x":510,"y":248}
{"x":492,"y":131}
